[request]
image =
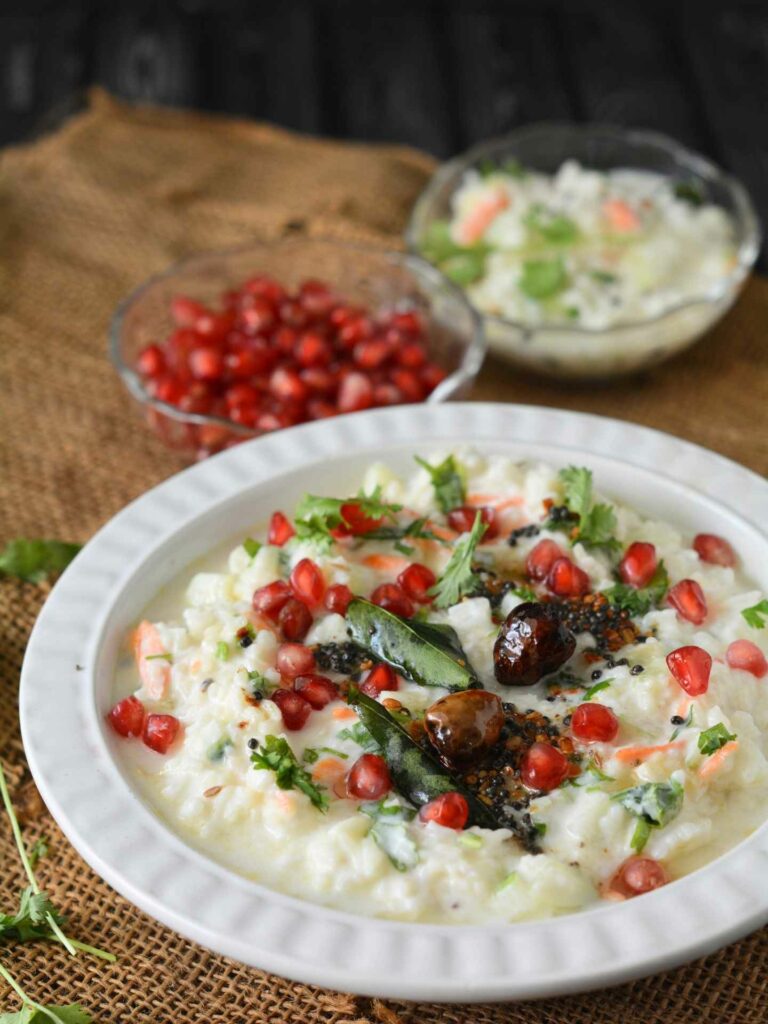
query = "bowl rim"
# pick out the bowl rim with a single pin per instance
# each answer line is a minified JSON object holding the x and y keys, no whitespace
{"x":747,"y":252}
{"x":75,"y":771}
{"x":465,"y":372}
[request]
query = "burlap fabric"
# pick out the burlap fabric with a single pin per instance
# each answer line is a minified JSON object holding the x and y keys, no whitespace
{"x":87,"y":213}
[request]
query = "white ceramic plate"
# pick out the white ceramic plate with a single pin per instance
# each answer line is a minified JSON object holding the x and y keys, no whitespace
{"x":74,"y":762}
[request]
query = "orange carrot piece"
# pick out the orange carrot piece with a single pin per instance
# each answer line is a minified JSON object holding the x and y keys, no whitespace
{"x":386,"y":563}
{"x":344,"y":713}
{"x":494,"y":500}
{"x":620,"y":215}
{"x":627,"y":754}
{"x":480,"y":219}
{"x":328,"y":769}
{"x":715,"y":761}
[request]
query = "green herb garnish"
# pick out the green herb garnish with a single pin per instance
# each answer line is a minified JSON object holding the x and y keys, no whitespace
{"x":222,"y":650}
{"x":603,"y":276}
{"x":217,"y":750}
{"x":312,"y":754}
{"x":317,"y":516}
{"x":553,"y":227}
{"x":541,"y":279}
{"x":714,"y":738}
{"x":461,"y":264}
{"x":39,"y":849}
{"x":689,"y":191}
{"x":448,"y":484}
{"x":756,"y":615}
{"x":639,"y":601}
{"x":399,"y":532}
{"x":276,"y":756}
{"x":35,"y":560}
{"x":357,"y":733}
{"x":471,"y":840}
{"x":458,"y":579}
{"x":159,"y":657}
{"x":593,"y":690}
{"x":541,"y":827}
{"x":252,"y":547}
{"x":32,"y":1012}
{"x":260,"y":685}
{"x":654,"y":804}
{"x":597,"y":522}
{"x":389,"y":831}
{"x":505,"y":883}
{"x":686,"y":724}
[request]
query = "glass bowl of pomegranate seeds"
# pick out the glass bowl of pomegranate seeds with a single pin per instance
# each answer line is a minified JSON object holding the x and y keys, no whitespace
{"x":590,"y":251}
{"x":233,"y":344}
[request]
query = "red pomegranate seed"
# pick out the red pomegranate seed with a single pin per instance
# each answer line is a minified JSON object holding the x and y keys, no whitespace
{"x":387,"y":394}
{"x":316,"y":690}
{"x":307,"y":582}
{"x":312,"y":350}
{"x":393,"y":599}
{"x":567,"y":580}
{"x":214,"y":327}
{"x":169,"y":389}
{"x":463,"y":519}
{"x":186,"y":312}
{"x":317,"y":409}
{"x":594,"y":723}
{"x":258,"y":317}
{"x":294,"y":709}
{"x":127,"y":717}
{"x":690,"y":666}
{"x":416,"y":581}
{"x":745,"y":655}
{"x":241,"y":394}
{"x":246,"y":415}
{"x":411,"y":356}
{"x":638,"y":565}
{"x":371,"y":354}
{"x":295,"y":619}
{"x":288,"y":385}
{"x":341,"y":315}
{"x":354,"y":330}
{"x":269,"y":600}
{"x":198,"y":398}
{"x":318,"y":378}
{"x":337,"y":598}
{"x":206,"y":363}
{"x":381,"y":677}
{"x":160,"y":731}
{"x":294,"y":660}
{"x":432,"y":375}
{"x":638,"y":875}
{"x":284,"y":340}
{"x":151,"y":361}
{"x":243,"y":363}
{"x":368,"y":778}
{"x":408,"y":321}
{"x":355,"y":393}
{"x":316,"y":297}
{"x":280,"y":530}
{"x":544,"y":767}
{"x":356,"y":521}
{"x":687,"y":598}
{"x":713,"y":549}
{"x":541,"y":558}
{"x":409,"y":384}
{"x":265,"y":287}
{"x":293,"y":314}
{"x":450,"y":810}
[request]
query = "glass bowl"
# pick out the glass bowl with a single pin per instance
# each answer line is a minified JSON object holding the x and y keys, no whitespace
{"x":571,"y":351}
{"x":375,"y":278}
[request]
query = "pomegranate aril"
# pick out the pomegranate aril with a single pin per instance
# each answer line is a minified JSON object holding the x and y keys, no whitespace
{"x":295,"y":619}
{"x":127,"y":717}
{"x":185,"y":312}
{"x":258,"y":318}
{"x":416,"y":581}
{"x":293,"y":314}
{"x":393,"y":599}
{"x":371,"y":354}
{"x":318,"y":378}
{"x":381,"y":677}
{"x":462,"y":520}
{"x":307,"y":582}
{"x":206,"y":363}
{"x":638,"y":875}
{"x":450,"y":810}
{"x":160,"y":731}
{"x":355,"y":393}
{"x":312,"y":350}
{"x":687,"y":598}
{"x":567,"y":580}
{"x":168,"y":389}
{"x":691,"y":667}
{"x":544,"y":767}
{"x":432,"y":375}
{"x":638,"y":565}
{"x":265,"y":287}
{"x":241,"y":394}
{"x":337,"y":598}
{"x":354,"y":331}
{"x":269,"y":600}
{"x":368,"y":778}
{"x":411,"y":356}
{"x":280,"y":530}
{"x":408,"y":321}
{"x":284,"y":340}
{"x":316,"y":690}
{"x":745,"y":655}
{"x":288,"y":385}
{"x":356,"y":521}
{"x":541,"y":558}
{"x":713,"y":549}
{"x":245,"y":415}
{"x":294,"y":709}
{"x":594,"y":723}
{"x":214,"y":327}
{"x":294,"y":660}
{"x":387,"y":394}
{"x":151,"y":361}
{"x":408,"y":383}
{"x":316,"y":298}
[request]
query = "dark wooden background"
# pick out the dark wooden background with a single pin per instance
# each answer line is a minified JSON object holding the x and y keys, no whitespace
{"x":440,"y":74}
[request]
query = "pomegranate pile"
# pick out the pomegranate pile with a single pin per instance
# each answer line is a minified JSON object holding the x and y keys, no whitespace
{"x":479,"y":692}
{"x":271,"y":357}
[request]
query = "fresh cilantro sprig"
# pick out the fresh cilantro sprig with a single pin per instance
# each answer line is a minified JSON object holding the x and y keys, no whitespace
{"x":312,"y":754}
{"x":458,"y":578}
{"x":447,"y":482}
{"x":639,"y":601}
{"x":400,"y":532}
{"x":316,"y":516}
{"x":389,"y":831}
{"x":712,"y":739}
{"x":757,"y":615}
{"x":36,"y":1013}
{"x":596,"y":522}
{"x":35,"y":560}
{"x":542,"y":279}
{"x":654,"y":804}
{"x":462,"y":264}
{"x":594,"y":690}
{"x":360,"y":735}
{"x":552,"y":227}
{"x":275,"y":755}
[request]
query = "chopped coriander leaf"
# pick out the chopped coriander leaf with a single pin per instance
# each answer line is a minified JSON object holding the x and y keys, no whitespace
{"x":685,"y":724}
{"x":260,"y":685}
{"x":465,"y":268}
{"x":641,"y":835}
{"x":597,"y":523}
{"x":756,"y":615}
{"x":639,"y":601}
{"x":390,"y":833}
{"x":524,"y":593}
{"x":458,"y":579}
{"x":252,"y":547}
{"x":399,"y":532}
{"x":447,"y":482}
{"x":38,"y":850}
{"x":594,"y":690}
{"x":689,"y":191}
{"x":32,"y":1012}
{"x":654,"y":804}
{"x":541,"y":279}
{"x":34,"y":560}
{"x":505,"y":883}
{"x":714,"y":738}
{"x":541,"y":827}
{"x":572,"y":313}
{"x":276,"y":756}
{"x":514,"y":168}
{"x":471,"y":840}
{"x":553,"y":227}
{"x":159,"y":657}
{"x":487,"y":167}
{"x":438,"y":244}
{"x":217,"y":750}
{"x":603,"y":276}
{"x":311,"y":754}
{"x":360,"y":735}
{"x":222,"y":650}
{"x":317,"y":516}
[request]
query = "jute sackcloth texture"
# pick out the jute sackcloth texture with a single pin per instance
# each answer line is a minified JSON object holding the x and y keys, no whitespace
{"x":87,"y":213}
